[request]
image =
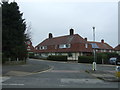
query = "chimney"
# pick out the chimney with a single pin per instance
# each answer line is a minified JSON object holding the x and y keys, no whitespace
{"x":102,"y":41}
{"x":50,"y":35}
{"x":85,"y":39}
{"x":71,"y":31}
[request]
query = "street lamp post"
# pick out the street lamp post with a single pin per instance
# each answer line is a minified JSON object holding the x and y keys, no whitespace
{"x":94,"y":63}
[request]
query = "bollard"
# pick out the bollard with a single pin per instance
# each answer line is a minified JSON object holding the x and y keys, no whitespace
{"x":118,"y":71}
{"x":94,"y":66}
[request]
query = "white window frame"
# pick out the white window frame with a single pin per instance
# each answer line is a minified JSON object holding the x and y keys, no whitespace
{"x":43,"y":47}
{"x":86,"y":45}
{"x":64,"y":46}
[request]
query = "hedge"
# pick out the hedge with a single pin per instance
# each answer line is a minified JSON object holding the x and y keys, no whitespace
{"x":85,"y":59}
{"x":105,"y":57}
{"x":98,"y":58}
{"x":57,"y":58}
{"x":32,"y":55}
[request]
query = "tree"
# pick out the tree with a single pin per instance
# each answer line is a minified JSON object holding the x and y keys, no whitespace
{"x":13,"y":32}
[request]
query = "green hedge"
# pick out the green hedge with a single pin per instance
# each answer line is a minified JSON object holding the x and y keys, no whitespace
{"x":57,"y":58}
{"x":100,"y":58}
{"x":32,"y":55}
{"x":105,"y":57}
{"x":85,"y":59}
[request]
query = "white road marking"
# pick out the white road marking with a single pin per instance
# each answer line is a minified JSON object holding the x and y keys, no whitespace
{"x":2,"y":79}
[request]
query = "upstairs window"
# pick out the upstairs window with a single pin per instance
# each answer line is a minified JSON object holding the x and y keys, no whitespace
{"x":28,"y":42}
{"x":86,"y":45}
{"x":43,"y":47}
{"x":64,"y":46}
{"x":28,"y":46}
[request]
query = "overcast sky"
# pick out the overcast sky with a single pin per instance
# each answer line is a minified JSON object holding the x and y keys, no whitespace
{"x":58,"y":17}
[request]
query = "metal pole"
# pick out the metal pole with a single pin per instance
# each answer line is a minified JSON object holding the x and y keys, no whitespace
{"x":94,"y":63}
{"x":94,"y":41}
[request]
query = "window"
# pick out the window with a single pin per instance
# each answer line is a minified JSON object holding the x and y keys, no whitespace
{"x":69,"y":54}
{"x":64,"y":46}
{"x":28,"y":46}
{"x":43,"y":47}
{"x":86,"y":45}
{"x":104,"y":50}
{"x":28,"y":49}
{"x":28,"y":42}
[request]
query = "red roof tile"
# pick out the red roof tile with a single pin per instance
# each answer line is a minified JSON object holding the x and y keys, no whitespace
{"x":76,"y":41}
{"x":63,"y":40}
{"x":117,"y":47}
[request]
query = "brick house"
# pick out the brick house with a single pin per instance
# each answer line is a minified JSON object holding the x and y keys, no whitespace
{"x":117,"y":49}
{"x":72,"y":45}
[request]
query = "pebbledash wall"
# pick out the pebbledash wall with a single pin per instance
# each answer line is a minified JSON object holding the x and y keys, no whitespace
{"x":70,"y":56}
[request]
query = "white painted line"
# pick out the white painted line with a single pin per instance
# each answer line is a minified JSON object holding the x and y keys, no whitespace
{"x":2,"y":79}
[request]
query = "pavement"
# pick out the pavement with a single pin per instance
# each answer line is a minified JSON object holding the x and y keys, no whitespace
{"x":105,"y":75}
{"x":23,"y":70}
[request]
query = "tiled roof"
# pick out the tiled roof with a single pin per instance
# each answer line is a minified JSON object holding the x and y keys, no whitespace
{"x":76,"y":41}
{"x":100,"y":45}
{"x":117,"y":47}
{"x":68,"y":39}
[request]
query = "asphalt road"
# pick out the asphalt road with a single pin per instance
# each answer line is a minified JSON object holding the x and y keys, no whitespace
{"x":60,"y":75}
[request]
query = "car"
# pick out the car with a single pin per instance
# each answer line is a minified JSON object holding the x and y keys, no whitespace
{"x":113,"y":60}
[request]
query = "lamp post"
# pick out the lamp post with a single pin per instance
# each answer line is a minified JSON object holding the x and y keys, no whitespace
{"x":94,"y":63}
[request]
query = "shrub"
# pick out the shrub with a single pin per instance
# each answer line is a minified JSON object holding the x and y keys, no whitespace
{"x":31,"y":55}
{"x":57,"y":58}
{"x":105,"y":57}
{"x":100,"y":57}
{"x":85,"y":59}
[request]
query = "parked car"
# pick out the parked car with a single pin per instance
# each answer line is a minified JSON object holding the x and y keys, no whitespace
{"x":113,"y":60}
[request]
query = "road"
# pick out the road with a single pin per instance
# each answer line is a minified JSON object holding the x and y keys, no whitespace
{"x":60,"y":75}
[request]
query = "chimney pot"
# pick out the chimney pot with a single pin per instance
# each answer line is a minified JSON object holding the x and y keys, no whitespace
{"x":71,"y":31}
{"x":85,"y":39}
{"x":102,"y":41}
{"x":50,"y":35}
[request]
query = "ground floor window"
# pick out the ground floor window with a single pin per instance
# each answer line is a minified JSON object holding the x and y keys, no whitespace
{"x":69,"y":54}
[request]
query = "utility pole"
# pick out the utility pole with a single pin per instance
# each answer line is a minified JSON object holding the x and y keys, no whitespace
{"x":94,"y":63}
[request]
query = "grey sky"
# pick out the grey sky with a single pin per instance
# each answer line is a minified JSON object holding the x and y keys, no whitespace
{"x":59,"y":17}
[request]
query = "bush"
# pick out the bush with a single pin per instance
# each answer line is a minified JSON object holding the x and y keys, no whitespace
{"x":85,"y":59}
{"x":57,"y":58}
{"x":31,"y":55}
{"x":105,"y":57}
{"x":99,"y":57}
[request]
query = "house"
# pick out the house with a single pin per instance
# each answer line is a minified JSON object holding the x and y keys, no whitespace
{"x":72,"y":45}
{"x":30,"y":47}
{"x":117,"y":49}
{"x":101,"y":46}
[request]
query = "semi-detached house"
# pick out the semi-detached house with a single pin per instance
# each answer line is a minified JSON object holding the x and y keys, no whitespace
{"x":72,"y":45}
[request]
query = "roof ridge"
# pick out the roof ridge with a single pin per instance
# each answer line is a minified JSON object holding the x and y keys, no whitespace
{"x":63,"y":36}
